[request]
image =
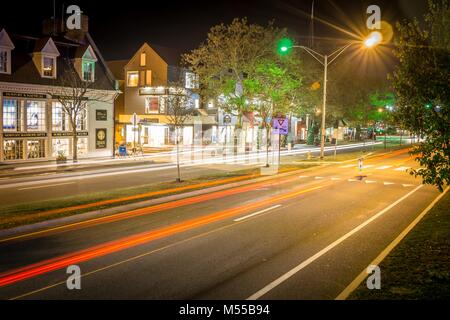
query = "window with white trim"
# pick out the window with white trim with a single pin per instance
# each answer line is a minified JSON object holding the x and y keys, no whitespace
{"x":5,"y":63}
{"x":48,"y":67}
{"x":11,"y":115}
{"x":88,"y":71}
{"x":191,"y":80}
{"x":36,"y":116}
{"x":81,"y":120}
{"x":132,"y":78}
{"x":60,"y":118}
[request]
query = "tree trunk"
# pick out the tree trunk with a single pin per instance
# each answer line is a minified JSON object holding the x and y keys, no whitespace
{"x":267,"y":147}
{"x":178,"y":154}
{"x":75,"y":147}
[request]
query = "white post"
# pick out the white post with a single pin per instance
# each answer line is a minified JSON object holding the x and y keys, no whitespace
{"x":322,"y":143}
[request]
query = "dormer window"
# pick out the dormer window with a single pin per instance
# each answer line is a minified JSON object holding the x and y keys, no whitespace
{"x":6,"y":46}
{"x":44,"y":57}
{"x":85,"y":60}
{"x":48,"y":67}
{"x":4,"y":61}
{"x":88,"y":70}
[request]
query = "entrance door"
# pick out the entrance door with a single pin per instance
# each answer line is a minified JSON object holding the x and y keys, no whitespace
{"x":146,"y":136}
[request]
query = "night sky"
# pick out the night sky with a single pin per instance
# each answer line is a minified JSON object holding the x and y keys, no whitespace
{"x":120,"y":29}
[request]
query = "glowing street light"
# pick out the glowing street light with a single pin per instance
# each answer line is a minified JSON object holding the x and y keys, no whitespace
{"x":375,"y":38}
{"x":285,"y":46}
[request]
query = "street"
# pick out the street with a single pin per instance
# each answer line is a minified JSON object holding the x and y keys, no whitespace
{"x":47,"y":185}
{"x":304,"y":235}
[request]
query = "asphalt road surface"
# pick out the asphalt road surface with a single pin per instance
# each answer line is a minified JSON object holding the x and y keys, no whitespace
{"x":37,"y":187}
{"x":302,"y":236}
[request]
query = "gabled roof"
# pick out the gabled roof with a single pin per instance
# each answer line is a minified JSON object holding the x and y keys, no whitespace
{"x":144,"y":47}
{"x":23,"y":69}
{"x":5,"y":40}
{"x":47,"y":46}
{"x":85,"y":52}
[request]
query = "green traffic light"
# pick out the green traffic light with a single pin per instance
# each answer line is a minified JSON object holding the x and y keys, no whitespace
{"x":284,"y":46}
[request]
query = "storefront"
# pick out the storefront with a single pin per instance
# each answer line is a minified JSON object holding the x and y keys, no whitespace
{"x":36,"y":127}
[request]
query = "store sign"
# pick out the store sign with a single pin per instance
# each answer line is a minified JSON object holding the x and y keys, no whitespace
{"x":149,"y":120}
{"x":69,"y":134}
{"x":69,"y":98}
{"x":101,"y":115}
{"x":100,"y":138}
{"x":24,"y":95}
{"x":153,"y":91}
{"x":25,"y":135}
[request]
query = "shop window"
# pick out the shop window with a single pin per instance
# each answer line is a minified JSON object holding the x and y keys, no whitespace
{"x":60,"y":118}
{"x":13,"y":149}
{"x":36,"y":116}
{"x":82,"y":120}
{"x":82,"y":146}
{"x":152,"y":105}
{"x":162,"y":105}
{"x":60,"y":146}
{"x":10,"y":115}
{"x":35,"y":149}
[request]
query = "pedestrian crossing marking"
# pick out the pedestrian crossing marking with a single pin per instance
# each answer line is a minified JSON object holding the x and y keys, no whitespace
{"x":384,"y":167}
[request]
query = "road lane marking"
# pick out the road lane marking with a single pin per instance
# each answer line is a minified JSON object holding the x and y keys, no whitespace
{"x":348,"y":166}
{"x":257,"y":213}
{"x":383,"y":167}
{"x":336,"y":179}
{"x":319,"y":178}
{"x":388,"y":183}
{"x":407,"y":185}
{"x":43,"y":267}
{"x":402,"y":169}
{"x":370,"y":182}
{"x":46,"y":186}
{"x":367,"y":166}
{"x":152,"y":209}
{"x":363,"y":275}
{"x":319,"y":254}
{"x":353,"y":180}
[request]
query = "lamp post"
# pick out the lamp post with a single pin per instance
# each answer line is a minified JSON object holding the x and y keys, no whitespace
{"x":284,"y":47}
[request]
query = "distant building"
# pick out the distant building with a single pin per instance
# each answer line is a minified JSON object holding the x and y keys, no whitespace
{"x":33,"y":125}
{"x":146,"y":81}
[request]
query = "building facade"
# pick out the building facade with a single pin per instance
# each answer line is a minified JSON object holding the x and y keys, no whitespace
{"x":33,"y":123}
{"x":146,"y":82}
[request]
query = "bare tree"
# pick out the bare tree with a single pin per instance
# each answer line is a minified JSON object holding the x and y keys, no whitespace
{"x":74,"y":95}
{"x":179,"y":111}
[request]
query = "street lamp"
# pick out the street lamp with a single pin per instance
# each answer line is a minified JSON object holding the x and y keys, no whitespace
{"x":284,"y":47}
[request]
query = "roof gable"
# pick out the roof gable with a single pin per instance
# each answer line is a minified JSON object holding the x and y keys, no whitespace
{"x":46,"y":46}
{"x":143,"y":48}
{"x":86,"y":53}
{"x":5,"y":40}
